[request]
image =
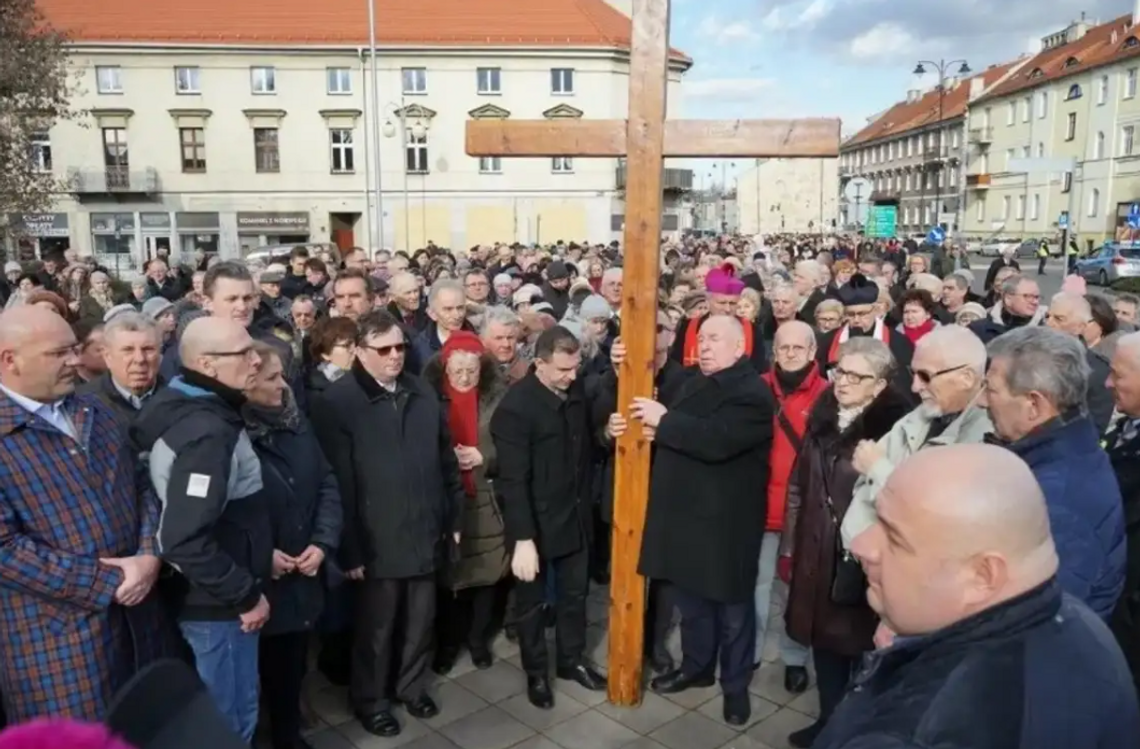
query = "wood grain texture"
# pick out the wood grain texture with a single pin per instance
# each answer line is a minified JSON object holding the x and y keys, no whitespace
{"x":645,"y":141}
{"x":682,"y":138}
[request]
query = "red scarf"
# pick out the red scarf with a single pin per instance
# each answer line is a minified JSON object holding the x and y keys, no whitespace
{"x":913,"y":334}
{"x":463,"y":421}
{"x":692,"y":349}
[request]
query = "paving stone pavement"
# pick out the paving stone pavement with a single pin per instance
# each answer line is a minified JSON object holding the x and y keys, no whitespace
{"x":489,"y":709}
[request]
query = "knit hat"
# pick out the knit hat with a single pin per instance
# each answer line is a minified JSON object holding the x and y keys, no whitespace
{"x":156,"y":306}
{"x":859,"y":291}
{"x":461,"y":340}
{"x":12,"y":267}
{"x":970,"y":308}
{"x":595,"y":306}
{"x":117,"y":309}
{"x":723,"y":280}
{"x":557,"y":270}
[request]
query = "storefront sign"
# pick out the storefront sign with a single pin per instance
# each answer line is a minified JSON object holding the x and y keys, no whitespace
{"x":195,"y":221}
{"x":112,"y":223}
{"x":155,"y":221}
{"x":38,"y":224}
{"x":257,"y":222}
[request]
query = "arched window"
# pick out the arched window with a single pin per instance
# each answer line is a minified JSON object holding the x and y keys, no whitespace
{"x":1098,"y":149}
{"x":1074,"y":91}
{"x":1036,"y":73}
{"x":1072,"y":62}
{"x":1129,"y":43}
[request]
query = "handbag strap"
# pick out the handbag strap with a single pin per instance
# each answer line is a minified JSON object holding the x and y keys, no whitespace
{"x":789,"y":431}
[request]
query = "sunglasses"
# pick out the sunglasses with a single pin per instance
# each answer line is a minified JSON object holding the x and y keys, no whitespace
{"x":927,"y":377}
{"x":388,"y":350}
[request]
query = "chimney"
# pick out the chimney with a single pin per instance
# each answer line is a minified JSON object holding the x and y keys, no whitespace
{"x":977,"y":86}
{"x":956,"y":81}
{"x":914,"y":94}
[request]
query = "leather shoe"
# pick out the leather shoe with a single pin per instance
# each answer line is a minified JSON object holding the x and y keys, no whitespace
{"x":676,"y":681}
{"x":444,"y":660}
{"x":481,"y":657}
{"x":381,"y":723}
{"x":422,"y":707}
{"x":796,"y":679}
{"x":661,"y":662}
{"x":539,"y":693}
{"x":737,"y":709}
{"x":584,"y":675}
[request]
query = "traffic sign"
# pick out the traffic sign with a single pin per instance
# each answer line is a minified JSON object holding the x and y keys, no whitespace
{"x":882,"y":222}
{"x":1063,"y":220}
{"x":937,"y":235}
{"x":857,"y":190}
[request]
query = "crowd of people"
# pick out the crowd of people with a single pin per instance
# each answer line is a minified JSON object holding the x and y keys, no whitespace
{"x":395,"y":456}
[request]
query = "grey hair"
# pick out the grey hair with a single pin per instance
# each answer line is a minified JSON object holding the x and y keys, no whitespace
{"x":960,"y":279}
{"x":1046,"y":361}
{"x":611,"y":273}
{"x":498,"y":315}
{"x":442,"y":285}
{"x":877,"y":354}
{"x":813,"y":267}
{"x":131,"y":322}
{"x":784,"y":287}
{"x":1078,"y":302}
{"x":1009,"y":285}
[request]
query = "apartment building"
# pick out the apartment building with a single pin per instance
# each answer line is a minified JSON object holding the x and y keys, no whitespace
{"x":914,"y":153}
{"x":789,"y":195}
{"x":217,"y":127}
{"x":1074,"y":105}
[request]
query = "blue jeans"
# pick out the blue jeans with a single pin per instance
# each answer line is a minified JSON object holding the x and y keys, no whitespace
{"x":226,"y":659}
{"x":791,"y":652}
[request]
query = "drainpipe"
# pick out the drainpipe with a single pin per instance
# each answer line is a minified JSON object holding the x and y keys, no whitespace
{"x":376,"y":124}
{"x":367,"y":158}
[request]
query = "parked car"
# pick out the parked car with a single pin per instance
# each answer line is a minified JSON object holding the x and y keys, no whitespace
{"x":1111,"y":262}
{"x":279,"y":253}
{"x":994,"y":247}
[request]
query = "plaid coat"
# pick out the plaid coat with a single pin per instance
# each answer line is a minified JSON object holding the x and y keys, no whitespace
{"x":65,"y":646}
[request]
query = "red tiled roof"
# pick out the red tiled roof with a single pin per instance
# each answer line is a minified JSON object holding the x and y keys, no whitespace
{"x":1096,"y":48}
{"x":906,"y":116}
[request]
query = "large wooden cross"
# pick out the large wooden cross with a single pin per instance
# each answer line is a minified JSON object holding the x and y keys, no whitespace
{"x":645,"y":139}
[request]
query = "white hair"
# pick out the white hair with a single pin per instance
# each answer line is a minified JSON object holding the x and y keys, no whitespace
{"x":958,"y":344}
{"x":1079,"y":304}
{"x":130,"y":322}
{"x":1046,"y":361}
{"x":498,"y":315}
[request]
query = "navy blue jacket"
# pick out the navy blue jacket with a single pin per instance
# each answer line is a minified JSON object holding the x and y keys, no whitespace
{"x":1086,"y":514}
{"x":1039,"y":671}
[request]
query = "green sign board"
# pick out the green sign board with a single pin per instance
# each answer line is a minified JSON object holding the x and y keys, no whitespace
{"x":882,"y":221}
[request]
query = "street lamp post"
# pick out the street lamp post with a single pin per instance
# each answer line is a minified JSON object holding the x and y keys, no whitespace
{"x":374,"y":130}
{"x":942,"y":66}
{"x":417,"y":130}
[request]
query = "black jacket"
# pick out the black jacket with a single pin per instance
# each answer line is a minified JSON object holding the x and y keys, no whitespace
{"x":758,"y":357}
{"x":398,"y":475}
{"x":103,"y":387}
{"x":1125,"y":621}
{"x":707,"y":502}
{"x":1039,"y":671}
{"x":305,"y":509}
{"x":171,"y":289}
{"x":215,"y":525}
{"x":544,"y":444}
{"x":1099,"y":397}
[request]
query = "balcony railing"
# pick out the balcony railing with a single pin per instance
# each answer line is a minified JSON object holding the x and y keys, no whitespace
{"x":113,"y":180}
{"x":982,"y":135}
{"x":979,"y":181}
{"x":672,"y":179}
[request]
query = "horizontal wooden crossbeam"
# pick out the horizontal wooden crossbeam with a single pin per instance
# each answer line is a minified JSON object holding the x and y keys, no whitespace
{"x":806,"y":138}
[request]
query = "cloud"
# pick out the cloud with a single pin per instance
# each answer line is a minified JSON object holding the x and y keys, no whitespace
{"x":884,"y":40}
{"x":798,"y":17}
{"x":725,"y":89}
{"x":727,"y":31}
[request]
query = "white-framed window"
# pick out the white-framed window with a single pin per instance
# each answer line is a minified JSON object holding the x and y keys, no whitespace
{"x":266,"y":154}
{"x":415,"y":80}
{"x":1008,"y":157}
{"x":1035,"y":207}
{"x":562,"y":165}
{"x":490,"y":165}
{"x":987,"y":113}
{"x":1026,"y":105}
{"x":953,"y":177}
{"x":416,"y":154}
{"x":263,"y":79}
{"x":980,"y":210}
{"x":1025,"y":151}
{"x":909,"y":147}
{"x":1020,"y":215}
{"x":1129,"y":90}
{"x":187,"y":80}
{"x":489,"y":81}
{"x":1040,"y":149}
{"x":1005,"y":203}
{"x":1102,"y":90}
{"x":562,"y":81}
{"x":339,"y":81}
{"x":1098,"y":146}
{"x":109,"y":79}
{"x":343,"y":151}
{"x":1042,"y":104}
{"x":1010,"y":112}
{"x":954,"y":135}
{"x":40,"y":143}
{"x":1066,"y":181}
{"x":1127,"y":140}
{"x":1071,"y":126}
{"x":1094,"y":202}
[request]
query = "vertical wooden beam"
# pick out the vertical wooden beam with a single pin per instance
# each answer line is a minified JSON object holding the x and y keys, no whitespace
{"x":645,"y":140}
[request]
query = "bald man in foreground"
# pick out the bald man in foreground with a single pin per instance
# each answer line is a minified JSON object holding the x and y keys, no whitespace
{"x":215,"y":528}
{"x":706,"y":511}
{"x":77,"y":525}
{"x":989,"y":652}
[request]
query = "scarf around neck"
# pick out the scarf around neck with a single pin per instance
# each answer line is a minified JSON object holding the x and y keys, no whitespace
{"x":260,"y":421}
{"x":463,"y":421}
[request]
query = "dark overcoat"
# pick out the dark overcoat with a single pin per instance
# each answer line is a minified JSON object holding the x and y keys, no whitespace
{"x":64,"y":504}
{"x":1125,"y":621}
{"x":707,"y":500}
{"x":824,"y":469}
{"x":483,"y":557}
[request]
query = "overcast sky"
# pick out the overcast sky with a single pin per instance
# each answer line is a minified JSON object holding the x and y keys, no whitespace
{"x":848,"y":58}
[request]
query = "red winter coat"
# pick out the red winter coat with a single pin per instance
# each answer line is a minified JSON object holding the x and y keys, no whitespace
{"x":796,"y":406}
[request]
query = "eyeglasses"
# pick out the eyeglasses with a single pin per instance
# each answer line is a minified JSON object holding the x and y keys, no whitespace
{"x":241,"y":352}
{"x":849,"y":377}
{"x":387,"y":350}
{"x":926,"y":377}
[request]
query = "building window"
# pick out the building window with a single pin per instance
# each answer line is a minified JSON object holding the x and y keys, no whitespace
{"x":1098,"y":147}
{"x":340,"y":81}
{"x":416,"y":154}
{"x":1094,"y":202}
{"x":562,"y":165}
{"x":1102,"y":90}
{"x":116,"y":157}
{"x":41,"y":151}
{"x":1004,"y":207}
{"x":343,"y":157}
{"x":1020,"y":215}
{"x":1043,"y":103}
{"x":1130,"y":83}
{"x":490,"y":165}
{"x":193,"y":149}
{"x":1074,"y":92}
{"x":1010,"y":113}
{"x":984,"y":163}
{"x":953,"y":177}
{"x":186,"y":80}
{"x":263,"y":80}
{"x":1127,"y":139}
{"x":1071,"y":126}
{"x":109,"y":79}
{"x":1025,"y":151}
{"x":1026,"y":104}
{"x":980,"y":211}
{"x":1035,"y":207}
{"x":1040,"y":149}
{"x":1008,"y":157}
{"x":489,"y":80}
{"x":415,"y":80}
{"x":266,"y":156}
{"x":1066,"y":181}
{"x":987,"y":113}
{"x":954,"y":138}
{"x":562,"y":81}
